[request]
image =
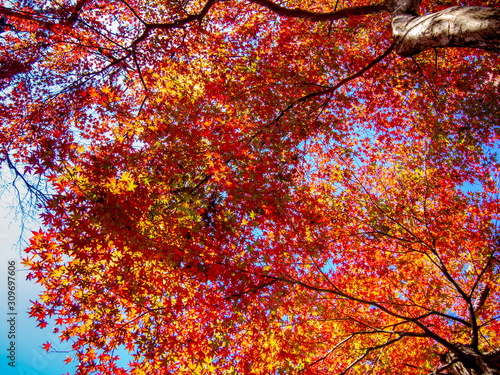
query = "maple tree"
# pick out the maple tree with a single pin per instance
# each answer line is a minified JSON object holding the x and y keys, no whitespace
{"x":260,"y":187}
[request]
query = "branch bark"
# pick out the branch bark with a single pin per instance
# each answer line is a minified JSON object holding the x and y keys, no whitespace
{"x":475,"y":363}
{"x":322,"y":16}
{"x":474,"y":27}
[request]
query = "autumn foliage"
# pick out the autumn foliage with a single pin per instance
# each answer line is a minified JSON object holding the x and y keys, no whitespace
{"x":242,"y":189}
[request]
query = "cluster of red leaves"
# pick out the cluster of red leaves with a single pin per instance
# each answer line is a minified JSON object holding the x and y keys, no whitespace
{"x":218,"y":207}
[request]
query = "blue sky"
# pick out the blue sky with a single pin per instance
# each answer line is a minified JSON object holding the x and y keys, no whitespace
{"x":31,"y":358}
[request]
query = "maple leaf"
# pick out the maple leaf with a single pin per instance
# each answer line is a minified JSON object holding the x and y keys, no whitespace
{"x":259,"y":186}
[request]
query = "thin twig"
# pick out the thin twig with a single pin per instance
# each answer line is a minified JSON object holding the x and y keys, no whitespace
{"x":425,"y":78}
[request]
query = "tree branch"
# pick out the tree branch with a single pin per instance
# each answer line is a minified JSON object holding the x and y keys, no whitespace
{"x":331,"y":90}
{"x":25,"y":16}
{"x":369,"y":350}
{"x":476,"y":27}
{"x":319,"y":16}
{"x":483,"y":271}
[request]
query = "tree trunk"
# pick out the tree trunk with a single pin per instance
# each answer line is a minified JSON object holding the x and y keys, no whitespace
{"x":475,"y":27}
{"x":472,"y":362}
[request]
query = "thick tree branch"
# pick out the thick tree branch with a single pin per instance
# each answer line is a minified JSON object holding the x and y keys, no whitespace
{"x":319,"y":16}
{"x":474,"y":27}
{"x":171,"y":25}
{"x":25,"y":16}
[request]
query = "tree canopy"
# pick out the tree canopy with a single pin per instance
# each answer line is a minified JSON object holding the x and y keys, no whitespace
{"x":260,"y":187}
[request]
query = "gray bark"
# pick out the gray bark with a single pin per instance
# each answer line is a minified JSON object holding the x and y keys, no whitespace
{"x":477,"y":27}
{"x":472,"y":362}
